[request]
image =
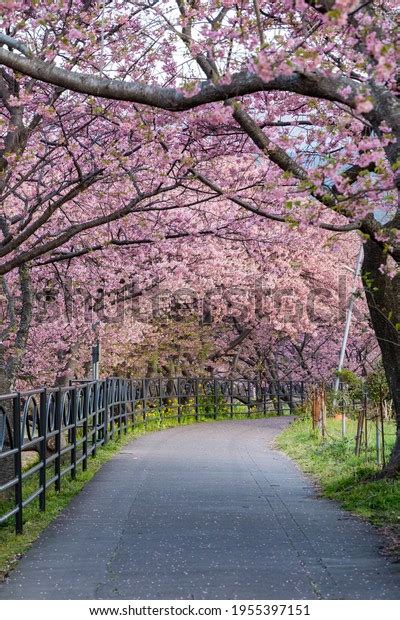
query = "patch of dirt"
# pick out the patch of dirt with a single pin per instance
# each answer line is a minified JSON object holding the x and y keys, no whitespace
{"x":11,"y":564}
{"x":29,"y":459}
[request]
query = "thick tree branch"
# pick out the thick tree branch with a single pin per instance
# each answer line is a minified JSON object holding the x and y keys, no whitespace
{"x":243,"y":83}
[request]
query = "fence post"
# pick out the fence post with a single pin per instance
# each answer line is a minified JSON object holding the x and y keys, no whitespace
{"x":160,"y":401}
{"x":144,"y":400}
{"x":18,"y":461}
{"x":58,"y":424}
{"x":264,"y":397}
{"x":73,"y":432}
{"x":94,"y":418}
{"x":278,"y":392}
{"x":122,"y":403}
{"x":231,"y":399}
{"x":119,"y":386}
{"x":85,"y":426}
{"x":248,"y":399}
{"x":133,"y":403}
{"x":291,"y":397}
{"x":106,"y":412}
{"x":43,"y":448}
{"x":215,"y":398}
{"x":125,"y":406}
{"x":366,"y":421}
{"x":196,"y":398}
{"x":178,"y":389}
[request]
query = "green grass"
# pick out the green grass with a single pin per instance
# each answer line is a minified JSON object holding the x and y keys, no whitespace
{"x":12,"y":546}
{"x":340,"y":474}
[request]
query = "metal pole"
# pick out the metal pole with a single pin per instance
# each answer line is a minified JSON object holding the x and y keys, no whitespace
{"x":349,"y":316}
{"x":17,"y":445}
{"x":96,"y":353}
{"x":96,"y":361}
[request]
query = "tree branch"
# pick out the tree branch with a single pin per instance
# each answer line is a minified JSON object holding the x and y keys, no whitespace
{"x":242,"y":83}
{"x":270,"y":216}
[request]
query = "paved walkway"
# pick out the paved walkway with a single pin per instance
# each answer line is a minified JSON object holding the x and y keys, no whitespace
{"x":208,"y":511}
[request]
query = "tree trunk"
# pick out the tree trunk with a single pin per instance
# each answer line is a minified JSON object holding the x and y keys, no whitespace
{"x":10,"y":360}
{"x":383,"y":298}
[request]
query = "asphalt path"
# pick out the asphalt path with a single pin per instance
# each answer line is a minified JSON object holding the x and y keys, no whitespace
{"x":207,"y":511}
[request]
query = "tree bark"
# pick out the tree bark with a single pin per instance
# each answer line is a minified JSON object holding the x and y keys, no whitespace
{"x":383,"y":298}
{"x":10,"y":361}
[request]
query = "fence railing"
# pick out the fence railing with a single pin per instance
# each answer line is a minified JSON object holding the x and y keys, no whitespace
{"x":67,"y":425}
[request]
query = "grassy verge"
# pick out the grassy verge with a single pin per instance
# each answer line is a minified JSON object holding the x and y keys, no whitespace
{"x":13,"y":546}
{"x":344,"y":477}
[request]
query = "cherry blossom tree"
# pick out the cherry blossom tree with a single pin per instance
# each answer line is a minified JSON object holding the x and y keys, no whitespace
{"x":237,"y":300}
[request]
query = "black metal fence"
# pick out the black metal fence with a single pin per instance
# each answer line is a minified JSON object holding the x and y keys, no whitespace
{"x":67,"y":425}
